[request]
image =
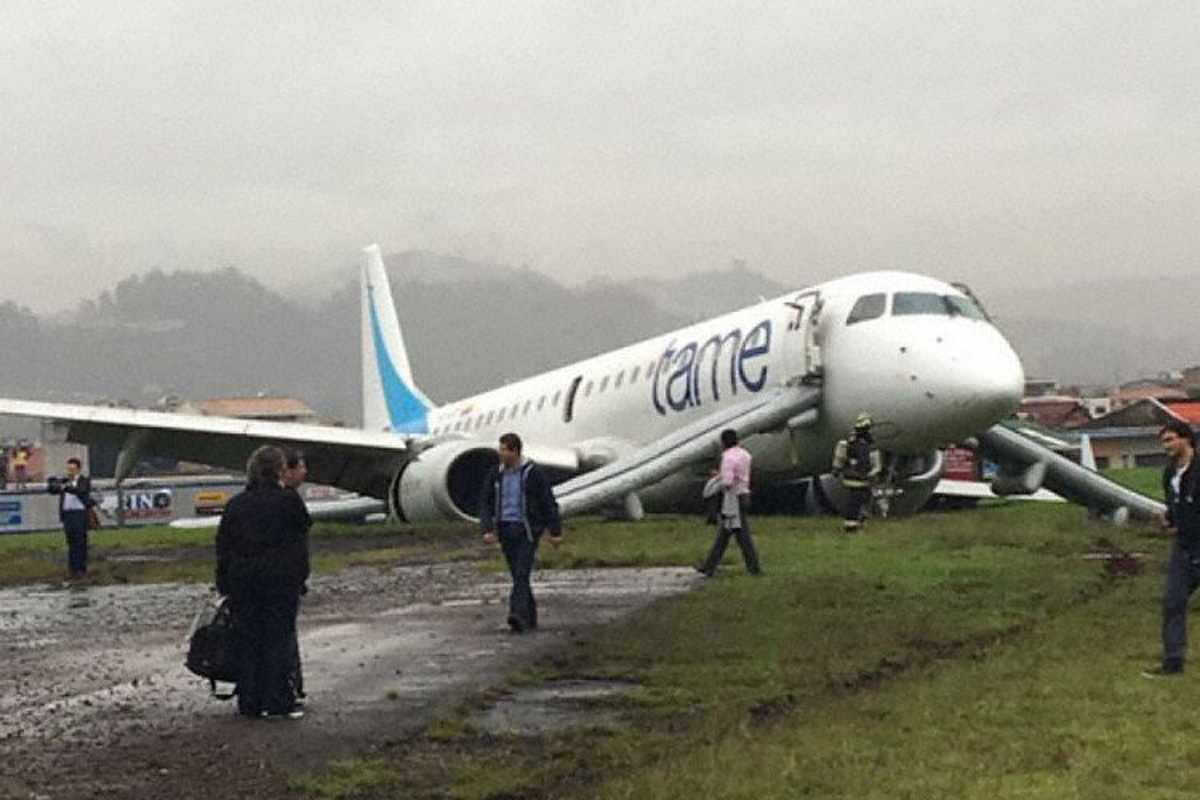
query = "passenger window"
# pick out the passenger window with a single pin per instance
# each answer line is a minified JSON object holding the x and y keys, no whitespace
{"x":500,"y":415}
{"x":603,"y":385}
{"x":557,"y":395}
{"x":541,"y":402}
{"x":587,"y":390}
{"x":650,"y":371}
{"x":528,"y":405}
{"x":869,"y":306}
{"x":513,"y":413}
{"x":490,"y":416}
{"x":620,"y":379}
{"x":633,"y":375}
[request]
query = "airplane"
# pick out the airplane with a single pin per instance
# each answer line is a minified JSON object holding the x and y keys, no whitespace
{"x":635,"y":429}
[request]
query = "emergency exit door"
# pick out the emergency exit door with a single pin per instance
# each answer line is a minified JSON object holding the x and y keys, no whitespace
{"x":803,"y":338}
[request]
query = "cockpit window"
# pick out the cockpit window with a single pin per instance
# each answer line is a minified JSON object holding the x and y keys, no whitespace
{"x":965,"y":306}
{"x":869,"y":306}
{"x":907,"y":303}
{"x":911,"y":303}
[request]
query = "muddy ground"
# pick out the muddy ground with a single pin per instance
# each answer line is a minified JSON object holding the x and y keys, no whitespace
{"x":95,"y":702}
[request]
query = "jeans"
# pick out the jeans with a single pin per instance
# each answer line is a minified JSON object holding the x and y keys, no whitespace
{"x":1183,"y":576}
{"x":745,"y":543}
{"x":75,"y":527}
{"x":519,"y":552}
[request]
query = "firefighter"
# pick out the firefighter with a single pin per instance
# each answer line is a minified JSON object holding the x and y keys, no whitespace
{"x":856,"y":462}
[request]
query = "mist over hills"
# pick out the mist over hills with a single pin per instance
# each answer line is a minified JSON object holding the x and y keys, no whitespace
{"x":469,"y":326}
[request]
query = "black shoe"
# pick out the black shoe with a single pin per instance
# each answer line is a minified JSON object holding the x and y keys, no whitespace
{"x":1168,"y":669}
{"x":516,"y":624}
{"x":703,"y":571}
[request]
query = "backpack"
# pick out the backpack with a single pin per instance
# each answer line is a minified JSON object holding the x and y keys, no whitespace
{"x":212,"y":650}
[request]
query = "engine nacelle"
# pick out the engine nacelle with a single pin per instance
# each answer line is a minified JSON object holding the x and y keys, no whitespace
{"x":444,"y":482}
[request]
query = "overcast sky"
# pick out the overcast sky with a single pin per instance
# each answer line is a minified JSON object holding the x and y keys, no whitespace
{"x":1005,"y":143}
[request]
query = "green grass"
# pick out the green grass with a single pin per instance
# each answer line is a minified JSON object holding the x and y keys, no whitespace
{"x":965,"y":655}
{"x":1147,"y":480}
{"x":188,"y":556}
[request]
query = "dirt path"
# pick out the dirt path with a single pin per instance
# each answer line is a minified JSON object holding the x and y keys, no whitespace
{"x":94,"y":701}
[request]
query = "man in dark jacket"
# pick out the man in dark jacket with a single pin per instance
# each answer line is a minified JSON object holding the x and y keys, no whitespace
{"x":74,"y":499}
{"x":518,"y":506}
{"x":294,"y":474}
{"x":262,"y":562}
{"x":1181,"y":488}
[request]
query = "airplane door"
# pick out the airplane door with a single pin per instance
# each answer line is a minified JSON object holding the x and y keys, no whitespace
{"x":569,"y":405}
{"x":803,"y":338}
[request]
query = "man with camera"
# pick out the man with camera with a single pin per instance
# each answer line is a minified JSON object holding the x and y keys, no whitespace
{"x":74,"y":499}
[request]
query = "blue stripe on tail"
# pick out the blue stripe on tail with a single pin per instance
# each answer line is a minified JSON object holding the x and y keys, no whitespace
{"x":405,"y":410}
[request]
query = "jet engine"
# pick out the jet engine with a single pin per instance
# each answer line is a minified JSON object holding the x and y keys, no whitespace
{"x":905,"y":486}
{"x":444,"y":482}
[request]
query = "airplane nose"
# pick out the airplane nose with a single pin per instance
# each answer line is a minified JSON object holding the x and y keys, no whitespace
{"x":989,"y":381}
{"x":970,"y":383}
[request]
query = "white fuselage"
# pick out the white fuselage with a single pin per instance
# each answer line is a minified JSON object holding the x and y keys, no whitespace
{"x":928,"y":377}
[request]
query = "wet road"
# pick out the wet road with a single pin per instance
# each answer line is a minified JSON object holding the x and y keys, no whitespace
{"x":94,"y":700}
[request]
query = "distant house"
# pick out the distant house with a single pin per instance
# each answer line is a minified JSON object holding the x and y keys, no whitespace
{"x":1055,"y":411}
{"x":1136,"y":391}
{"x":266,"y":408}
{"x":1191,"y":381}
{"x":1128,"y":437}
{"x":1040,"y":387}
{"x":1186,"y":410}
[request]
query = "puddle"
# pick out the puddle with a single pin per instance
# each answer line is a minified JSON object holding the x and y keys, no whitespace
{"x":554,"y":707}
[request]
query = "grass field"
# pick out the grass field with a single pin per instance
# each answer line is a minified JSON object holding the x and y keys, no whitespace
{"x":157,"y":554}
{"x":1147,"y":480}
{"x":961,"y":655}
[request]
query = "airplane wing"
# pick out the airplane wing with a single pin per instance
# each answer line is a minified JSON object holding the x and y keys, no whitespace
{"x":342,"y":509}
{"x":358,"y":460}
{"x":1043,"y":467}
{"x":767,"y":411}
{"x":348,"y":458}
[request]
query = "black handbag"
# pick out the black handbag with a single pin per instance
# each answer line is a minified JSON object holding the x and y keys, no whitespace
{"x":213,"y":648}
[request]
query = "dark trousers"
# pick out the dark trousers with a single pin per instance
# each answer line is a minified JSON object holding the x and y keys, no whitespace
{"x":858,"y":498}
{"x":1183,"y":576}
{"x":75,"y":527}
{"x":519,"y":551}
{"x":267,"y":635}
{"x":745,"y":543}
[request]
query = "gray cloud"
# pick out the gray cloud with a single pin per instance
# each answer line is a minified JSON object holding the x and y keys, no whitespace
{"x":999,"y":143}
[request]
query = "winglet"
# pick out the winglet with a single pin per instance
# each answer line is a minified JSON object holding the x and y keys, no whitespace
{"x":391,"y":399}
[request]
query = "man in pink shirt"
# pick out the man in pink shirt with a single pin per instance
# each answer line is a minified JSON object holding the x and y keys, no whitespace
{"x":732,"y":484}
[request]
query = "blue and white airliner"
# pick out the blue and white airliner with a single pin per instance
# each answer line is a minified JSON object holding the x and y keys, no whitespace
{"x":635,"y":429}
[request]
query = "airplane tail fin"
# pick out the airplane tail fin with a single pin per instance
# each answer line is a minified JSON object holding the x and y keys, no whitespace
{"x":391,"y":399}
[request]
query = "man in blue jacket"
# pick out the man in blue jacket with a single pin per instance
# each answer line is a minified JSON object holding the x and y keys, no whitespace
{"x":518,"y":506}
{"x":1181,"y":488}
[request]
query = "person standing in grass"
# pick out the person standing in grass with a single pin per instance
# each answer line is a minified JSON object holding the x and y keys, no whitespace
{"x":732,"y":483}
{"x":1181,"y":488}
{"x":857,"y":462}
